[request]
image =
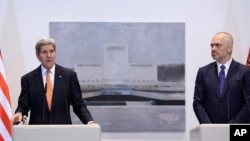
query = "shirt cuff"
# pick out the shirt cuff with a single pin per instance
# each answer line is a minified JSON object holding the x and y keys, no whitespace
{"x":90,"y":122}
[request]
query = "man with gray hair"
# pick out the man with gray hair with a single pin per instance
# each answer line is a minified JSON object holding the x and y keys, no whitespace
{"x":49,"y":90}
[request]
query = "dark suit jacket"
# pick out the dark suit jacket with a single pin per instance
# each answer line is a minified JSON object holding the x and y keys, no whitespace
{"x":66,"y":91}
{"x":232,"y":107}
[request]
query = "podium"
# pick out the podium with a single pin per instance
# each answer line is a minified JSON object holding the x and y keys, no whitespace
{"x":210,"y":132}
{"x":56,"y":132}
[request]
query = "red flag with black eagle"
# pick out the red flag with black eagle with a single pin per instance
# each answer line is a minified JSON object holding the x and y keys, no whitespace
{"x":248,"y":59}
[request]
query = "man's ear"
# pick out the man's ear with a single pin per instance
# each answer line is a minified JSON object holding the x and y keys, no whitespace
{"x":230,"y":48}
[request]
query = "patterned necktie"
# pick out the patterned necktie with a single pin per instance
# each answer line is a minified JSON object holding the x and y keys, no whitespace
{"x":222,"y":78}
{"x":49,"y":91}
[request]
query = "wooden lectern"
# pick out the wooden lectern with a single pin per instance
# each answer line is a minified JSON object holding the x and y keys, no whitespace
{"x":56,"y":132}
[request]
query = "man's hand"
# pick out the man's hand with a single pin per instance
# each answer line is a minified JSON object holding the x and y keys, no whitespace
{"x":16,"y":119}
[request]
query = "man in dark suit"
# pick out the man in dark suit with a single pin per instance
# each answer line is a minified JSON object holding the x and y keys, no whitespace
{"x":230,"y":104}
{"x":63,"y":84}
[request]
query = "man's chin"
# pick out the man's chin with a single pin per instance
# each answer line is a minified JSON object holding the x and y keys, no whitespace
{"x":214,"y":57}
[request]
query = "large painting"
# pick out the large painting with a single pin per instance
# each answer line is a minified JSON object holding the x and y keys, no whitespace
{"x":132,"y":75}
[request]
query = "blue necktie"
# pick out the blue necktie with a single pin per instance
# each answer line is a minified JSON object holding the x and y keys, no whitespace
{"x":222,"y":78}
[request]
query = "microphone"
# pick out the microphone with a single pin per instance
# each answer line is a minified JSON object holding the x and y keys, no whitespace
{"x":228,"y":101}
{"x":25,"y":119}
{"x":65,"y":95}
{"x":45,"y":91}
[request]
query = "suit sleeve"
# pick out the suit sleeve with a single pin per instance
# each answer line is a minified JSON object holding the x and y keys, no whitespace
{"x":244,"y":114}
{"x":23,"y":100}
{"x":79,"y":107}
{"x":199,"y":101}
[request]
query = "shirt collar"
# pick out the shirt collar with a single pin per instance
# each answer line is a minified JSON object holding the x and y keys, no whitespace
{"x":52,"y":70}
{"x":227,"y":64}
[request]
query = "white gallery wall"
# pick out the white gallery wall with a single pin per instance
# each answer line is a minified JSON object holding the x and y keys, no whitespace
{"x":23,"y":22}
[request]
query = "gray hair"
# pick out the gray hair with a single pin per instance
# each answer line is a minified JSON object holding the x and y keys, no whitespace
{"x":44,"y":41}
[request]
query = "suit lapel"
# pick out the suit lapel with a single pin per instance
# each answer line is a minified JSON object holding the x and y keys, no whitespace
{"x":232,"y":70}
{"x":38,"y":83}
{"x":214,"y":78}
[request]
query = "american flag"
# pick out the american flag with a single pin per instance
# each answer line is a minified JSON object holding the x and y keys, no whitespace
{"x":5,"y":106}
